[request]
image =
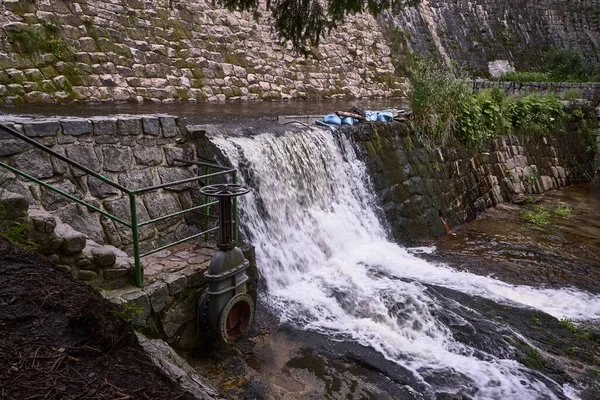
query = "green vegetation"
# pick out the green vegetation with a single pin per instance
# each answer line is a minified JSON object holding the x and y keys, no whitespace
{"x":563,"y":211}
{"x":540,"y":216}
{"x":445,"y":109}
{"x":15,"y":231}
{"x":561,"y":65}
{"x":129,"y":313}
{"x":572,"y":94}
{"x":533,"y":359}
{"x":34,"y":40}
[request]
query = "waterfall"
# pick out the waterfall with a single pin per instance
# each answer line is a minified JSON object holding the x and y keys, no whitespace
{"x":329,"y":267}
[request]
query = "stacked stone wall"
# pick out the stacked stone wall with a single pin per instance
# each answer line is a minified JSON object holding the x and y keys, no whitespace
{"x":589,"y":91}
{"x":417,"y":187}
{"x":163,"y":50}
{"x":473,"y":33}
{"x":133,"y":151}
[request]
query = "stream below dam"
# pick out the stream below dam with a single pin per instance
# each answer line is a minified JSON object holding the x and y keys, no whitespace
{"x":502,"y":309}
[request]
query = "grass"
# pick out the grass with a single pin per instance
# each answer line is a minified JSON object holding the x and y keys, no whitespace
{"x":540,"y":216}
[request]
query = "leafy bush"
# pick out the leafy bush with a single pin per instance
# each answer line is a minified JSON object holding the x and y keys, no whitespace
{"x":536,"y":114}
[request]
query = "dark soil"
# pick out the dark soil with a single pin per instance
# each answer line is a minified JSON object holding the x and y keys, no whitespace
{"x":60,"y":340}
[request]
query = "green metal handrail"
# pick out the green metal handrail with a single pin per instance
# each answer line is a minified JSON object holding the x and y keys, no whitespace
{"x":134,"y":223}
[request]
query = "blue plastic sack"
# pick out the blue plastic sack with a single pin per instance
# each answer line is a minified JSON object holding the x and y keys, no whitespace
{"x":384,"y":116}
{"x":371,"y":115}
{"x":333,"y":119}
{"x":348,"y":121}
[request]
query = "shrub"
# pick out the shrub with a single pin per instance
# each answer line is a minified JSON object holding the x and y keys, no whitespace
{"x":536,"y":114}
{"x":437,"y":100}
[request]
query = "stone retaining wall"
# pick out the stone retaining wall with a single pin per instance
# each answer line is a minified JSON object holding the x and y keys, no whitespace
{"x":164,"y":50}
{"x":417,"y":186}
{"x":474,"y":33}
{"x":589,"y":91}
{"x":133,"y":151}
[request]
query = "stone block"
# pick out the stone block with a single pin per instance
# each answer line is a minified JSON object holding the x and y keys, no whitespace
{"x":151,"y":126}
{"x":112,"y":273}
{"x":175,"y":283}
{"x":85,"y":275}
{"x":76,"y":127}
{"x":85,"y":156}
{"x":168,"y":175}
{"x":100,"y":189}
{"x":11,"y":147}
{"x":195,"y":277}
{"x":35,"y":163}
{"x":41,"y":129}
{"x":136,"y":179}
{"x":148,"y":156}
{"x":104,"y":257}
{"x":179,"y":314}
{"x":169,"y":127}
{"x":120,"y":208}
{"x":117,"y":159}
{"x":160,"y":204}
{"x":129,"y":126}
{"x":104,"y":127}
{"x":158,"y":294}
{"x":73,"y":241}
{"x":182,"y":153}
{"x":140,"y":301}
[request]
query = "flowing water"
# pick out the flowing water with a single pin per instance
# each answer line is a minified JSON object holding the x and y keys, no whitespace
{"x":329,"y":267}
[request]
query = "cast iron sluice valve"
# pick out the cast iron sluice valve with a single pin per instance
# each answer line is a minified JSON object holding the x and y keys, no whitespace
{"x":225,"y":309}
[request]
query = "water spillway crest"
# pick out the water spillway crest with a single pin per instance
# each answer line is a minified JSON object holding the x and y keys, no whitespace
{"x":330,"y":268}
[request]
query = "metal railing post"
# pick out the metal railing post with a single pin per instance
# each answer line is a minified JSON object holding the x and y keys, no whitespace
{"x":136,"y":244}
{"x":207,"y":209}
{"x":235,"y":216}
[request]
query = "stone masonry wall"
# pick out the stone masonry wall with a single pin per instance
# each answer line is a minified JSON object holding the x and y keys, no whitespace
{"x":57,"y":51}
{"x":589,"y":91}
{"x":475,"y":32}
{"x":133,"y":151}
{"x":417,"y":187}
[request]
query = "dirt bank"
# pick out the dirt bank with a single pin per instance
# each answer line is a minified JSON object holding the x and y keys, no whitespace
{"x":59,"y":339}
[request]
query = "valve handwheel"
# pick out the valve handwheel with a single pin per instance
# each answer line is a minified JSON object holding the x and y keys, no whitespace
{"x":224,"y":190}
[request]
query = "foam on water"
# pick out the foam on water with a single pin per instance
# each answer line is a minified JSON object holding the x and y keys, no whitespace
{"x":330,"y":268}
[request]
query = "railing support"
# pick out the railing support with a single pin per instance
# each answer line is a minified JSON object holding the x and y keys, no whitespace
{"x":136,"y":242}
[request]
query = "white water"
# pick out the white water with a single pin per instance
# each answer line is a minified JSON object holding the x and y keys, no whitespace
{"x":329,"y":267}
